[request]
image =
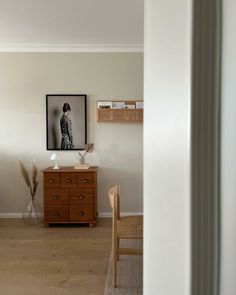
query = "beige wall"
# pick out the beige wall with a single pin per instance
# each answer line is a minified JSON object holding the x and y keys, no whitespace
{"x":25,"y":79}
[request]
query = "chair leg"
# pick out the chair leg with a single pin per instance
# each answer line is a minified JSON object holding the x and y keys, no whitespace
{"x":118,"y":246}
{"x":114,"y":263}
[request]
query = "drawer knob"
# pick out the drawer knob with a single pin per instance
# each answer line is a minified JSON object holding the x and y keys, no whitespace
{"x":81,"y":213}
{"x":68,"y":180}
{"x":56,"y":197}
{"x":85,"y":180}
{"x":56,"y":213}
{"x":81,"y":196}
{"x":52,"y":180}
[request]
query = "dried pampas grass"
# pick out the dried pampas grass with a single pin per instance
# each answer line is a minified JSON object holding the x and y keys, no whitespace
{"x":34,"y":173}
{"x":34,"y":179}
{"x":25,"y":174}
{"x":32,"y":187}
{"x":89,"y":147}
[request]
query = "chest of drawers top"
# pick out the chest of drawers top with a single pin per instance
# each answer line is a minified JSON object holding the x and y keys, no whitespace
{"x":70,"y":169}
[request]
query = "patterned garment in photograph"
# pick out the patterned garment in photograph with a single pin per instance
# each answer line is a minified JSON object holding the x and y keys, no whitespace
{"x":66,"y":133}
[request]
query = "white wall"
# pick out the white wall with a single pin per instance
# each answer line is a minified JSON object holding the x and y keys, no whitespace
{"x":167,"y":147}
{"x":228,"y":151}
{"x":25,"y":79}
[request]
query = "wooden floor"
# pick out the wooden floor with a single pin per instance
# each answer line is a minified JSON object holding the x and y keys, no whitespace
{"x":55,"y":260}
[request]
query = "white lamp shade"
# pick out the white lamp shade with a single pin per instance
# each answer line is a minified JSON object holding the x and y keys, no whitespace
{"x":55,"y":157}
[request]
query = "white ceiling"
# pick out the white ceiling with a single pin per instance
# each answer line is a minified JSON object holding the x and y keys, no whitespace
{"x":71,"y":24}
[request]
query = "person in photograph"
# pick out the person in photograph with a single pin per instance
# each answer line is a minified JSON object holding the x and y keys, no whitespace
{"x":66,"y":128}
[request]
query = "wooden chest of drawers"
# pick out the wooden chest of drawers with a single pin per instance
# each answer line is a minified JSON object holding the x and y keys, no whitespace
{"x":70,"y":195}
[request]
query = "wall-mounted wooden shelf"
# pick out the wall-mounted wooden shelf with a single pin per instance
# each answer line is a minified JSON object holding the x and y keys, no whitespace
{"x":119,"y":111}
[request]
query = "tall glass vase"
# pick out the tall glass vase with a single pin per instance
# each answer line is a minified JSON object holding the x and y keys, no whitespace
{"x":82,"y":157}
{"x":30,"y":215}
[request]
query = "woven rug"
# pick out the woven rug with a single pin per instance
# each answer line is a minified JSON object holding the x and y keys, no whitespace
{"x":129,"y":272}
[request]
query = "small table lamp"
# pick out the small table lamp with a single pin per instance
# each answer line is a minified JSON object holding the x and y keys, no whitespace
{"x":55,"y":157}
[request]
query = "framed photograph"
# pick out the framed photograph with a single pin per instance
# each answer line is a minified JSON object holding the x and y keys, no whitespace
{"x":66,"y":116}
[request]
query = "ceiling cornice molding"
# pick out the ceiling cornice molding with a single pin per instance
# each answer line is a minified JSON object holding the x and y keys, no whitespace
{"x":71,"y":47}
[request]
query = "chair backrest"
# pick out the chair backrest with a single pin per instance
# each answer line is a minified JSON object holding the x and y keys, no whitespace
{"x":114,"y":198}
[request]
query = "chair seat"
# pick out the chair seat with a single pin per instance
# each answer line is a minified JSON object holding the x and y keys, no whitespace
{"x":130,"y":227}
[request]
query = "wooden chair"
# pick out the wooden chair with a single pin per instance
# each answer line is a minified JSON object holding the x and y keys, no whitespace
{"x":129,"y":227}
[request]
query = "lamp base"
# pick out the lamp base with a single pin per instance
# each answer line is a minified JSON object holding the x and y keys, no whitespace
{"x":56,"y":167}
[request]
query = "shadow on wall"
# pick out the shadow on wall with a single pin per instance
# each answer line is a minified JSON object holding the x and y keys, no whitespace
{"x":14,"y":193}
{"x":55,"y":138}
{"x":131,"y":189}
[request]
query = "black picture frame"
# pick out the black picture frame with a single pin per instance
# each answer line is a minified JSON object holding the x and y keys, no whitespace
{"x":66,"y":126}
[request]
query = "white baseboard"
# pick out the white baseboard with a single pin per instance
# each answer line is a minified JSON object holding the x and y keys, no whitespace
{"x":15,"y":215}
{"x":71,"y":47}
{"x":40,"y":214}
{"x":109,"y":214}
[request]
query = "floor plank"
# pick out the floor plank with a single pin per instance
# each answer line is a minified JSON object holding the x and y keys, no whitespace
{"x":60,"y":260}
